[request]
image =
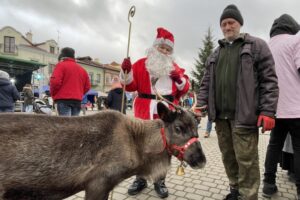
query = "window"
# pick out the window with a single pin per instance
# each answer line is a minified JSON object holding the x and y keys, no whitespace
{"x":9,"y":44}
{"x":91,"y":75}
{"x":108,"y":79}
{"x":52,"y":50}
{"x":98,"y":78}
{"x":51,"y":68}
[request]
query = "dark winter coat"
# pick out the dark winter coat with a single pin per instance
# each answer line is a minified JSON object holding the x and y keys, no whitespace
{"x":114,"y":100}
{"x":256,"y":88}
{"x":28,"y":96}
{"x":8,"y":94}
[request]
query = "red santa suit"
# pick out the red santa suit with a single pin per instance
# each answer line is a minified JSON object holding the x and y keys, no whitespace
{"x":139,"y":80}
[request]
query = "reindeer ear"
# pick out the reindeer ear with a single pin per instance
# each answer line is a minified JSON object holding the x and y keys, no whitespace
{"x":164,"y":113}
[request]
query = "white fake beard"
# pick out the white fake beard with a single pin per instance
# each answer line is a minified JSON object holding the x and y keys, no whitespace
{"x":158,"y":64}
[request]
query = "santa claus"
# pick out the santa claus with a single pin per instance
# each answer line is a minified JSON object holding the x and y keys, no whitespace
{"x":158,"y":70}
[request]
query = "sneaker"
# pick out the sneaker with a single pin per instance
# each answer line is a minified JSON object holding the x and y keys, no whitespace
{"x":161,"y":189}
{"x":269,"y":189}
{"x":233,"y":195}
{"x":206,"y":135}
{"x":137,"y":186}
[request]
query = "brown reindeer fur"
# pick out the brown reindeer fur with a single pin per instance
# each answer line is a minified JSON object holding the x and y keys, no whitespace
{"x":51,"y":157}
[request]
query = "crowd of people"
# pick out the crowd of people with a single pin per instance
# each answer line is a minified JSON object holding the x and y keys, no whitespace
{"x":248,"y":85}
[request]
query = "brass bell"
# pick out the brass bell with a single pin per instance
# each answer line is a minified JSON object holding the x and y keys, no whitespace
{"x":180,"y":170}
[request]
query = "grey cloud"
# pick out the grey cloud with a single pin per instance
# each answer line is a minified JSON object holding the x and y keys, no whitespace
{"x":99,"y":28}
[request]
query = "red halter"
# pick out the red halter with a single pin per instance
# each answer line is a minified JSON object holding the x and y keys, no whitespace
{"x":180,"y":149}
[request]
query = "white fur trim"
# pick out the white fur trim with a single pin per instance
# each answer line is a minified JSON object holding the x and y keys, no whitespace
{"x":163,"y":86}
{"x":163,"y":41}
{"x":153,"y":108}
{"x":129,"y":77}
{"x":181,"y":86}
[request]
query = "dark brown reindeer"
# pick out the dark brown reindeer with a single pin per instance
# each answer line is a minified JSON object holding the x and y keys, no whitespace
{"x":51,"y":158}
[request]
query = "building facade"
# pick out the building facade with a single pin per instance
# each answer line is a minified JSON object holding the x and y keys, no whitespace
{"x":25,"y":61}
{"x":29,"y":62}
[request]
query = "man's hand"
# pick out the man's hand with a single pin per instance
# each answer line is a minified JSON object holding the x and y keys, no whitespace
{"x":176,"y":76}
{"x":126,"y":65}
{"x":267,"y":123}
{"x":198,"y":115}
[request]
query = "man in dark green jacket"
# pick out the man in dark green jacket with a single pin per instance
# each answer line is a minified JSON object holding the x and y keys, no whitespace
{"x":240,"y":89}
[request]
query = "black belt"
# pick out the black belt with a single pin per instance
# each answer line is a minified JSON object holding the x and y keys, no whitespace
{"x":152,"y":96}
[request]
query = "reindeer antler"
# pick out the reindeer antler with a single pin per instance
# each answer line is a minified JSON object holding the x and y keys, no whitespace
{"x":153,"y":81}
{"x":166,"y":100}
{"x":195,"y":102}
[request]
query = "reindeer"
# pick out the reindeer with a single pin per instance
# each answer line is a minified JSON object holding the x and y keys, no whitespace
{"x":52,"y":157}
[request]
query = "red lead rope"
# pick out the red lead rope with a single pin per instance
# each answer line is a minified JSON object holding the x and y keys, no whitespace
{"x":180,"y":149}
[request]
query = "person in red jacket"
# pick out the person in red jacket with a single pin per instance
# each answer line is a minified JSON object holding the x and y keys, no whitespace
{"x":68,"y":83}
{"x":156,"y":71}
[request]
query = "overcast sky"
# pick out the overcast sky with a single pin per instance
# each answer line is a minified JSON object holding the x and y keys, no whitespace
{"x":99,"y":28}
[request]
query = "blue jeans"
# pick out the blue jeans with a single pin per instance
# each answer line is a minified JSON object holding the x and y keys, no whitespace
{"x":68,"y":108}
{"x":208,"y":126}
{"x":29,"y":108}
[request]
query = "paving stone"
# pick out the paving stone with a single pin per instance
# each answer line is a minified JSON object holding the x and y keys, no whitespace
{"x":180,"y":193}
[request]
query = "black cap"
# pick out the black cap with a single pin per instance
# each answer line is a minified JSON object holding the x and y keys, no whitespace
{"x":231,"y":11}
{"x":66,"y":52}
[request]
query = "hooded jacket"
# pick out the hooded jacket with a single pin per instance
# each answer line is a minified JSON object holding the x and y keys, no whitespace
{"x":285,"y":24}
{"x":114,"y":100}
{"x":285,"y":47}
{"x":8,"y":94}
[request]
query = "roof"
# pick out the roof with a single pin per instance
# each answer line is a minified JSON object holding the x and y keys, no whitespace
{"x":19,"y":66}
{"x":87,"y":60}
{"x":34,"y":47}
{"x":13,"y":59}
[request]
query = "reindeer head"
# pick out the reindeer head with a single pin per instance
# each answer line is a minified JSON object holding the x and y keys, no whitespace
{"x":181,"y":133}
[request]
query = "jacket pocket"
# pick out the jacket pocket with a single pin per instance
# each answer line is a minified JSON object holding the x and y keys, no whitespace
{"x":247,"y":90}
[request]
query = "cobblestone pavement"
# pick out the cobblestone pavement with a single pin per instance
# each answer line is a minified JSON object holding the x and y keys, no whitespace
{"x":209,"y":183}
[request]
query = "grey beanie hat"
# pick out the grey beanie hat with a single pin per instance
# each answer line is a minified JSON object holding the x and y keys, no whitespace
{"x":231,"y":11}
{"x":4,"y":75}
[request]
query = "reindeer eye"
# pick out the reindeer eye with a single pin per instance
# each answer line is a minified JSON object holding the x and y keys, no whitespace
{"x":178,"y":129}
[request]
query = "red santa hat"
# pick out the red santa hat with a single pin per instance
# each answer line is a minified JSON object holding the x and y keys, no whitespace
{"x":164,"y":37}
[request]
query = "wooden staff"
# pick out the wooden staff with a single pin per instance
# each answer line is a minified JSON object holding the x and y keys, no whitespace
{"x":130,"y":14}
